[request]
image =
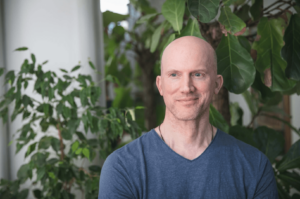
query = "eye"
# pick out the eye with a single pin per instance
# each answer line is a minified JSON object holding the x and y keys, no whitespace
{"x":198,"y":74}
{"x":173,"y":74}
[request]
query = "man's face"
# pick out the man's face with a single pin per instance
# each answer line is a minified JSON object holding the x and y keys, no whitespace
{"x":188,"y":80}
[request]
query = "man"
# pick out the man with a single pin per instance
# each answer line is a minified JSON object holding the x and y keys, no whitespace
{"x":186,"y":157}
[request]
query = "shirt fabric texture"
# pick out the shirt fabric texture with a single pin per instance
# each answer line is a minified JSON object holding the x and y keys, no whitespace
{"x":147,"y":168}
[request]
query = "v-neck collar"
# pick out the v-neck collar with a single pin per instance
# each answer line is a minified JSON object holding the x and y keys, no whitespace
{"x":180,"y":156}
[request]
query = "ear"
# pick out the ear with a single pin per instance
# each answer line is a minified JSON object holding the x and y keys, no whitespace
{"x":158,"y":84}
{"x":219,"y":83}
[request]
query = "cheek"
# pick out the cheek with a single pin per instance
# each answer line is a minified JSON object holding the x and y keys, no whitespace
{"x":203,"y":87}
{"x":170,"y":87}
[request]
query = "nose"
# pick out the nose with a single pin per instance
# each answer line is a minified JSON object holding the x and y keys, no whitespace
{"x":187,"y":85}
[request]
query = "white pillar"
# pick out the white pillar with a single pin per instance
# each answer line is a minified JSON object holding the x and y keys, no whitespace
{"x":63,"y":32}
{"x":4,"y":162}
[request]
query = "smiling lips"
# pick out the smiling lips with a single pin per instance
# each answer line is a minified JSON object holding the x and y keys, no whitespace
{"x":188,"y":101}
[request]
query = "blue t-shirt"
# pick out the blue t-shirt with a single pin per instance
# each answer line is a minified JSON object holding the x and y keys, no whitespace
{"x":148,"y":168}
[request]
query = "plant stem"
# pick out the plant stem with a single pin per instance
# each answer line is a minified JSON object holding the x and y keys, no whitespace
{"x":283,"y":121}
{"x":62,"y":154}
{"x":253,"y":118}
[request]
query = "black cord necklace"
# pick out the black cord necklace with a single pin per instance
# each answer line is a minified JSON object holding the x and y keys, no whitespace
{"x":212,"y":133}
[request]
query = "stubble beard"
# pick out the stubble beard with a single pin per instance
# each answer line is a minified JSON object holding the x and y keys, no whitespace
{"x":187,"y":117}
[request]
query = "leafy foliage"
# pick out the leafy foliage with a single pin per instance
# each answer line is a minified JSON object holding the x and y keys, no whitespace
{"x":235,"y":65}
{"x":291,"y":51}
{"x":64,"y":106}
{"x":231,"y":22}
{"x":109,"y":17}
{"x":173,"y":11}
{"x":268,"y":53}
{"x":204,"y":10}
{"x":251,"y":56}
{"x":217,"y":120}
{"x":192,"y":29}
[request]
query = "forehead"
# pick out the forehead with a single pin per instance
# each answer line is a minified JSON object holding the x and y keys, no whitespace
{"x":188,"y":57}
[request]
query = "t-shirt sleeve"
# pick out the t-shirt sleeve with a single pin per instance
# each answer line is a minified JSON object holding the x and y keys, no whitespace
{"x":266,"y":184}
{"x":114,"y":181}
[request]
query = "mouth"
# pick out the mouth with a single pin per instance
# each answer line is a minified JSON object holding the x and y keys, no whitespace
{"x":187,"y":101}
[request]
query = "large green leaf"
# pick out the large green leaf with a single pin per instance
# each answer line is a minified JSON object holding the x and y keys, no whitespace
{"x":256,"y":9}
{"x":232,"y":23}
{"x":123,"y":98}
{"x":282,"y":192}
{"x":45,"y":142}
{"x":23,"y":194}
{"x":266,"y":95}
{"x":67,"y":135}
{"x":217,"y":120}
{"x":146,"y":18}
{"x":40,"y":173}
{"x":291,"y":159}
{"x":295,"y":89}
{"x":118,"y":33}
{"x":23,"y":172}
{"x":191,"y":29}
{"x":204,"y":10}
{"x":245,"y":43}
{"x":268,"y":53}
{"x":21,"y":49}
{"x":291,"y":51}
{"x":243,"y":12}
{"x":170,"y":39}
{"x":155,"y":37}
{"x":292,"y":179}
{"x":269,"y":141}
{"x":30,"y":149}
{"x":173,"y":11}
{"x":242,"y":133}
{"x":109,"y":17}
{"x":235,"y":2}
{"x":235,"y":65}
{"x":228,"y":2}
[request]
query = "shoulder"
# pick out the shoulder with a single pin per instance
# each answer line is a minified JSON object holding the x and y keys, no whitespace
{"x":241,"y":151}
{"x":121,"y":170}
{"x":246,"y":160}
{"x":227,"y":141}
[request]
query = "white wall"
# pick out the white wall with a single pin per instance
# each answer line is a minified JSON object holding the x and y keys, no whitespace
{"x":295,"y":112}
{"x":3,"y":128}
{"x":63,"y":32}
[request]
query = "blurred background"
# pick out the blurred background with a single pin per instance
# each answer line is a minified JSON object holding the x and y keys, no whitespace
{"x":108,"y":34}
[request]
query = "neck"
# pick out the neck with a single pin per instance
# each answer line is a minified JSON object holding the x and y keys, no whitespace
{"x":188,"y":138}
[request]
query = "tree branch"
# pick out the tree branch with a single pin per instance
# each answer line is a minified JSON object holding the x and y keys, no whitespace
{"x":277,"y":8}
{"x":253,"y":118}
{"x":272,"y":5}
{"x":279,"y":13}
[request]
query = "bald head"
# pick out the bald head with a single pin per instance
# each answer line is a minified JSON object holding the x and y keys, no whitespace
{"x":190,"y":47}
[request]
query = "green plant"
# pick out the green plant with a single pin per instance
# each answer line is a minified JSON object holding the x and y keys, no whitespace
{"x":257,"y":49}
{"x":60,"y":104}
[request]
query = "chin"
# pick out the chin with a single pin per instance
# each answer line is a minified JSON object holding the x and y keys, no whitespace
{"x":186,"y":116}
